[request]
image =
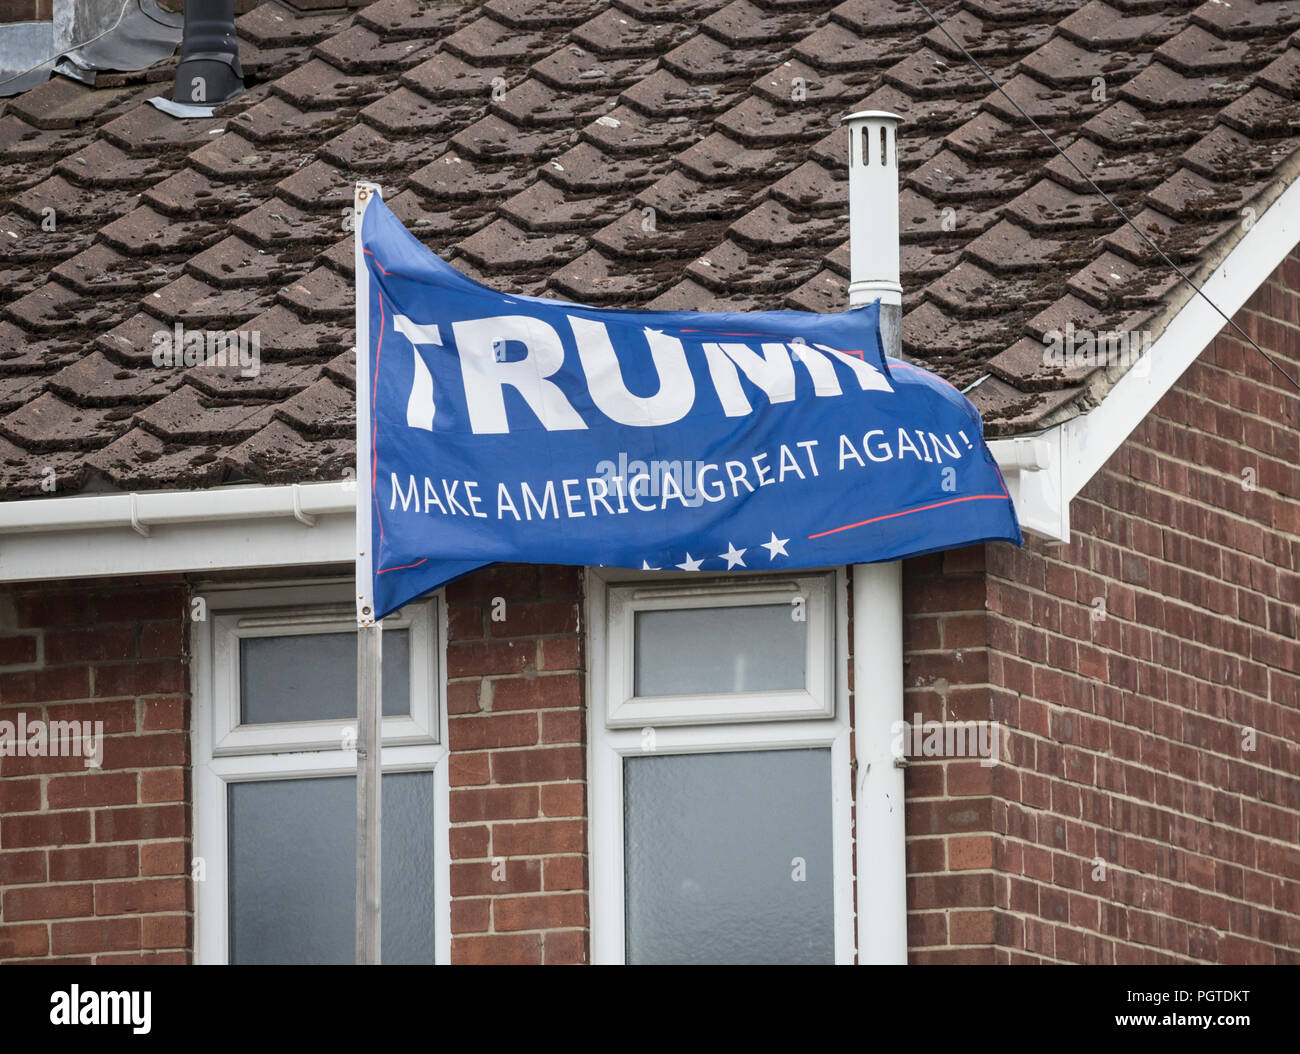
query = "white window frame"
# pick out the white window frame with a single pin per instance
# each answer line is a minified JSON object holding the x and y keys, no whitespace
{"x":230,"y":628}
{"x":625,"y":709}
{"x":612,"y":741}
{"x":304,"y":750}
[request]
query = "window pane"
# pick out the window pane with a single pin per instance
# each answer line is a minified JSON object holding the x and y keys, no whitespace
{"x":293,"y":870}
{"x":694,"y":651}
{"x":313,"y":677}
{"x":714,"y":845}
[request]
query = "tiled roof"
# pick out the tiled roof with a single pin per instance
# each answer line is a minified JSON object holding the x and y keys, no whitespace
{"x":670,"y":153}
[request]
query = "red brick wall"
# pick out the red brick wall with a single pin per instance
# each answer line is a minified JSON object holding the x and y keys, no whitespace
{"x":94,"y":862}
{"x":1128,"y":729}
{"x":950,"y":834}
{"x":518,"y":766}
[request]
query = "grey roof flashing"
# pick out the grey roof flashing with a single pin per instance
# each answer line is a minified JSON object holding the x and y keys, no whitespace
{"x":181,"y":110}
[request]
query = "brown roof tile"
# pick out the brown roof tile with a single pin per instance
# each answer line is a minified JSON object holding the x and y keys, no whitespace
{"x":1112,"y":281}
{"x":227,"y":384}
{"x":276,"y":120}
{"x":73,"y":204}
{"x":62,"y":103}
{"x":1064,"y":64}
{"x":196,"y":304}
{"x":279,"y":453}
{"x":592,"y":279}
{"x":17,"y":390}
{"x":1008,"y":409}
{"x":583,"y":169}
{"x":101,"y":268}
{"x":1099,"y":25}
{"x":614,"y":31}
{"x":445,"y":76}
{"x":772,"y":226}
{"x":1248,"y":18}
{"x":1069,"y":310}
{"x":1180,"y":241}
{"x":96,"y":380}
{"x":404,"y":19}
{"x":359,"y":50}
{"x":1188,"y":195}
{"x":546,"y":207}
{"x":137,"y":458}
{"x":147,"y":130}
{"x":626,"y":131}
{"x":1160,"y":86}
{"x":319,"y":294}
{"x":102,"y":164}
{"x":679,"y":153}
{"x":144,"y":232}
{"x":25,"y":473}
{"x":1261,"y":113}
{"x":986,"y":38}
{"x":270,"y":26}
{"x":405,"y":112}
{"x":487,"y":42}
{"x":323,"y":409}
{"x":187,"y":416}
{"x":131,"y":341}
{"x":1282,"y":75}
{"x":50,"y":423}
{"x":501,"y":246}
{"x":233,"y":263}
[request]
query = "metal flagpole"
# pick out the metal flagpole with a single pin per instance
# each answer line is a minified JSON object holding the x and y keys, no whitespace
{"x":369,"y":805}
{"x":369,"y":632}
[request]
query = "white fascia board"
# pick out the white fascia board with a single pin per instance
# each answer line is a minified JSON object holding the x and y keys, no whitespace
{"x":1045,"y":470}
{"x":157,"y":532}
{"x":1088,"y":441}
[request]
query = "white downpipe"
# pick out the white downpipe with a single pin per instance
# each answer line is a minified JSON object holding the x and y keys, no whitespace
{"x":878,"y":588}
{"x":878,"y":703}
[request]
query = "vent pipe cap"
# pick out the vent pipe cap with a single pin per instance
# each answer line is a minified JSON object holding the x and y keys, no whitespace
{"x":873,"y":208}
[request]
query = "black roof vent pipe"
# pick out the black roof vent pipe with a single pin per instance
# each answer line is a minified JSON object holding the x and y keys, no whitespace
{"x":209,"y":72}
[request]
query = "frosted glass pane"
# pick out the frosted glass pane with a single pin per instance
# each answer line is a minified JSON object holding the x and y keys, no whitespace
{"x":293,"y":870}
{"x":711,"y":842}
{"x":694,"y":651}
{"x":313,"y":677}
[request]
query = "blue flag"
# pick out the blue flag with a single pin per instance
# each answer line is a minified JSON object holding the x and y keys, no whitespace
{"x":494,"y":427}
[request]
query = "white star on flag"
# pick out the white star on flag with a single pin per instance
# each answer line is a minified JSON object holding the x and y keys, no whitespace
{"x":690,"y":565}
{"x":733,"y":556}
{"x":776,"y":545}
{"x":645,"y":566}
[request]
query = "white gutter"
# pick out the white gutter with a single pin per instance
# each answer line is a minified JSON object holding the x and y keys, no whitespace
{"x":163,"y":531}
{"x":147,"y":509}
